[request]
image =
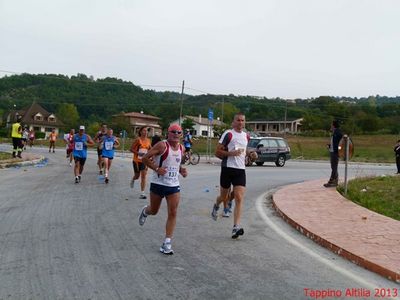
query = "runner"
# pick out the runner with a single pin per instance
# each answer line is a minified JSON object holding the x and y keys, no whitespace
{"x":99,"y":140}
{"x":139,"y":148}
{"x":69,"y":145}
{"x":232,"y":148}
{"x":165,"y":159}
{"x":109,"y":143}
{"x":25,"y":135}
{"x":81,"y":141}
{"x":31,"y":137}
{"x":187,"y":141}
{"x":52,"y":139}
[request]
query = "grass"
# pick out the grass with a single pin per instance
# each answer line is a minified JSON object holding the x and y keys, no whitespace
{"x":367,"y":148}
{"x":379,"y":194}
{"x":4,"y":155}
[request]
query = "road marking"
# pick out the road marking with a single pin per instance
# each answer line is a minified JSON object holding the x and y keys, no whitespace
{"x":313,"y":254}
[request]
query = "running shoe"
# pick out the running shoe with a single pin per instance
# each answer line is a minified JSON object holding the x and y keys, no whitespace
{"x":230,"y":206}
{"x":100,"y":172}
{"x":132,"y":183}
{"x":76,"y":179}
{"x":225,"y":214}
{"x":214,"y":213}
{"x":166,"y":248}
{"x":106,"y":180}
{"x":142,"y":197}
{"x":79,"y":178}
{"x":142,"y":217}
{"x":236,"y":231}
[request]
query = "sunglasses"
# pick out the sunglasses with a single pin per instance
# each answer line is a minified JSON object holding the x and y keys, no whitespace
{"x":176,"y":132}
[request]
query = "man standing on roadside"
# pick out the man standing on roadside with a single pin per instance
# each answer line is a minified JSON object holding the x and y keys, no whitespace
{"x":16,"y":135}
{"x":232,"y":148}
{"x":165,"y":159}
{"x":334,"y":154}
{"x":397,"y":152}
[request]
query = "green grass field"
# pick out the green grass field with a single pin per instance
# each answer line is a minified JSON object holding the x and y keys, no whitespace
{"x":379,"y":194}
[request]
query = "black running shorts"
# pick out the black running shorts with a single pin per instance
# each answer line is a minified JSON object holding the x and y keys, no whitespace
{"x":81,"y":160}
{"x":138,"y":166}
{"x":232,"y":176}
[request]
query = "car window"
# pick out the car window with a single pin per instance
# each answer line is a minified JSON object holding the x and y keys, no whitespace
{"x":281,"y":143}
{"x":253,"y":143}
{"x":271,"y":143}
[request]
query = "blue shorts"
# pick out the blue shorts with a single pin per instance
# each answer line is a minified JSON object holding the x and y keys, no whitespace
{"x":163,"y":190}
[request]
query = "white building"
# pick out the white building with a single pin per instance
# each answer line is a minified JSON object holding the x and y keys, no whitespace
{"x":264,"y":127}
{"x":202,"y":126}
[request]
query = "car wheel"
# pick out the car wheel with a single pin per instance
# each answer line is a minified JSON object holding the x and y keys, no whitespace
{"x":280,"y":162}
{"x":259,"y":163}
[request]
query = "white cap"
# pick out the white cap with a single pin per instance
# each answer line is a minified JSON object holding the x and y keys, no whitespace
{"x":81,"y":127}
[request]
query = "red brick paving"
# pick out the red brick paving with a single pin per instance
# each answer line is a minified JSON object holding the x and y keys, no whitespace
{"x":368,"y":239}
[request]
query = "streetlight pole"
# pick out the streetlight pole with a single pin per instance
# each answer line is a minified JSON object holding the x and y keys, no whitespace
{"x":180,"y":115}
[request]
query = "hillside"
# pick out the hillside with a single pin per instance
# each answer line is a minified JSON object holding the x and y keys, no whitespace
{"x":97,"y":100}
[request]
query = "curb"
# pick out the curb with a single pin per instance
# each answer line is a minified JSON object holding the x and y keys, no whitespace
{"x":356,"y":259}
{"x":22,"y":163}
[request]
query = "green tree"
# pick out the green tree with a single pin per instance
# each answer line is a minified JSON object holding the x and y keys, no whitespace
{"x":68,"y":114}
{"x":187,"y":124}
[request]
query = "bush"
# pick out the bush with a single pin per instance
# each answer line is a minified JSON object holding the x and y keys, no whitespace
{"x":5,"y":132}
{"x":40,"y":135}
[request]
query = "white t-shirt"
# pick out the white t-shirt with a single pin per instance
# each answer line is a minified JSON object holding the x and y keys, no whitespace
{"x":233,"y":140}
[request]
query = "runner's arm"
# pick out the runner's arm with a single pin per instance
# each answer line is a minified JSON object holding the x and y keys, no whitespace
{"x":116,"y":143}
{"x":134,"y":147}
{"x":90,"y":142}
{"x":222,"y":152}
{"x":148,"y":158}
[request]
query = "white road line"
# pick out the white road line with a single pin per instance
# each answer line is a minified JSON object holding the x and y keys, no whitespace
{"x":313,"y":254}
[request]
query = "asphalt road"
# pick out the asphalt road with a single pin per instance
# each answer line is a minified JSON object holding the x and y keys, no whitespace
{"x":61,"y":240}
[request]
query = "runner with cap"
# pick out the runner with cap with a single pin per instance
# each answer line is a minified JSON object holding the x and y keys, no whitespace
{"x":165,"y":160}
{"x":110,"y":142}
{"x":81,"y":141}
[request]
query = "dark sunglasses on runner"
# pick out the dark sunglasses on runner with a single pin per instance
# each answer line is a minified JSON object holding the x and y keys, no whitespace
{"x":176,"y":132}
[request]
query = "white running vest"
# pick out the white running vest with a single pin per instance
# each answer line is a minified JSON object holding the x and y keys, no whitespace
{"x":171,"y":160}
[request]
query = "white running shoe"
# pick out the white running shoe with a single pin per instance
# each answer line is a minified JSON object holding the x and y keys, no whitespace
{"x":166,"y":248}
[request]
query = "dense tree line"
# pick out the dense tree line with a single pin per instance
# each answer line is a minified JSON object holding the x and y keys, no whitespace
{"x":82,"y":99}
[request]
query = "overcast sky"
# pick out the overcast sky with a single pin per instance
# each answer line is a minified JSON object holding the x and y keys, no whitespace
{"x":282,"y":48}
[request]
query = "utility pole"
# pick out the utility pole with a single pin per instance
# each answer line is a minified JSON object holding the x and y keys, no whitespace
{"x":222,"y":113}
{"x":284,"y":125}
{"x":180,"y":115}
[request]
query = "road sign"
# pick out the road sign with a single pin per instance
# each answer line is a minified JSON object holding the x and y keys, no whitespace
{"x":210,"y":114}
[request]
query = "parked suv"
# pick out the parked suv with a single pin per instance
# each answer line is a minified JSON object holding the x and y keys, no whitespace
{"x":271,"y":149}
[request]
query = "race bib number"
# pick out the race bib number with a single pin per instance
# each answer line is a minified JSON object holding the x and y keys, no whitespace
{"x":78,"y":146}
{"x":172,"y":174}
{"x":242,"y":148}
{"x":109,"y":145}
{"x":142,"y":152}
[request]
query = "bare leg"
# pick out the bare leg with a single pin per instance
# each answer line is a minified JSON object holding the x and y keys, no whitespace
{"x":239,"y":198}
{"x":172,"y":203}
